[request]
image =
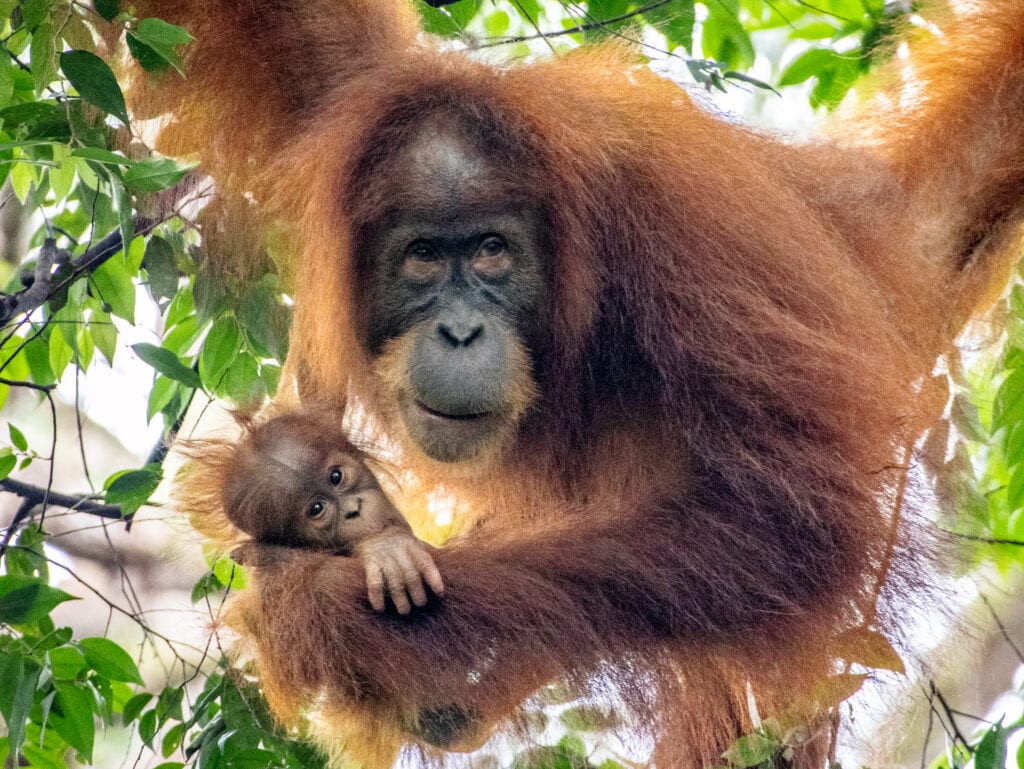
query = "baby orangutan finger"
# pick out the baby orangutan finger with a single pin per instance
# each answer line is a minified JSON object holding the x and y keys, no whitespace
{"x":396,"y":586}
{"x":411,"y":576}
{"x":375,"y":583}
{"x":427,"y":568}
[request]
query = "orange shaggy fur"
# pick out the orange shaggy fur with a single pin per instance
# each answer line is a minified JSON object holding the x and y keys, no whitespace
{"x":700,"y":497}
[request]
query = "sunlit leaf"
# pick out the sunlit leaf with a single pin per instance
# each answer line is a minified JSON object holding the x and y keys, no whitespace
{"x":155,"y":174}
{"x":154,"y":44}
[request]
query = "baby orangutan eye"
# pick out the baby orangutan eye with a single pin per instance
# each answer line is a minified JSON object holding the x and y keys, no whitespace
{"x":337,"y":476}
{"x":316,"y":509}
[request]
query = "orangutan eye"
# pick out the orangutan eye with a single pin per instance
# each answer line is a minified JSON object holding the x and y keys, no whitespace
{"x":493,"y":246}
{"x":316,"y":509}
{"x":421,"y":251}
{"x":337,"y":476}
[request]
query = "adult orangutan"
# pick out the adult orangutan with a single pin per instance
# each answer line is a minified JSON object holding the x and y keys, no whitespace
{"x":664,"y":369}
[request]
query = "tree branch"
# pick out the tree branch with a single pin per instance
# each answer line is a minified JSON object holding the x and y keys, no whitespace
{"x":37,"y":495}
{"x":39,"y":286}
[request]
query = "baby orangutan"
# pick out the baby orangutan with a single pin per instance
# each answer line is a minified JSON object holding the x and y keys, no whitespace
{"x":298,"y":481}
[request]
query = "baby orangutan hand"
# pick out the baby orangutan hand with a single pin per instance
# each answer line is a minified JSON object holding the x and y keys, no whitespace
{"x":395,"y":559}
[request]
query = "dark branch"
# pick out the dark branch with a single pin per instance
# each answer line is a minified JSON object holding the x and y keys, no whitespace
{"x":955,"y":732}
{"x":37,"y":495}
{"x":30,"y":385}
{"x":1002,"y":629}
{"x":39,"y":286}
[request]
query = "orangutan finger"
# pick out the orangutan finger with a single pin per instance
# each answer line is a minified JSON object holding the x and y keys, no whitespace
{"x":396,"y":586}
{"x":427,"y":568}
{"x":413,"y":581}
{"x":375,"y":584}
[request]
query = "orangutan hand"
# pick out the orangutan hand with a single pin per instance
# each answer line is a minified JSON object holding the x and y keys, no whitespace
{"x":395,"y":559}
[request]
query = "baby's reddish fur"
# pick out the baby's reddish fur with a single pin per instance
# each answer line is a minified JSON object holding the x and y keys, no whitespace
{"x":702,"y":494}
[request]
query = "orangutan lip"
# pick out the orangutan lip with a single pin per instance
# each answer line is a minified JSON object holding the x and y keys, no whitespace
{"x":455,"y":417}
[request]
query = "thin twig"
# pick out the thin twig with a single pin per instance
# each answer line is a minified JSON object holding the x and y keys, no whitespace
{"x":928,"y":732}
{"x":589,"y":27}
{"x":984,"y":540}
{"x":526,"y":15}
{"x":1002,"y":628}
{"x":957,"y":735}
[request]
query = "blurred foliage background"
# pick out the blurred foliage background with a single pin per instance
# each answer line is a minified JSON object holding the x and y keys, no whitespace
{"x":115,"y":331}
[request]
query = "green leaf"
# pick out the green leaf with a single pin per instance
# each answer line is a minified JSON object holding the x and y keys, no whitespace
{"x":17,"y":437}
{"x":164,"y":391}
{"x":229,"y":573}
{"x":110,"y":660}
{"x":115,"y":286}
{"x":24,"y":600}
{"x":156,"y":174}
{"x":18,"y":680}
{"x":104,"y":334}
{"x":43,"y":759}
{"x":1015,"y":488}
{"x":1008,"y":408}
{"x":183,"y":336}
{"x":66,"y":662}
{"x":451,"y":20}
{"x":220,"y":347}
{"x":75,"y":721}
{"x":43,"y":51}
{"x":108,"y":9}
{"x":6,"y":85}
{"x":181,"y":306}
{"x":168,"y":364}
{"x":208,"y":583}
{"x":94,"y":80}
{"x":169,"y":702}
{"x":809,"y":64}
{"x":991,"y":751}
{"x":242,"y":383}
{"x":147,"y":727}
{"x":265,"y":320}
{"x":61,"y":353}
{"x":7,"y":464}
{"x":131,"y":490}
{"x":134,"y":706}
{"x":106,"y":157}
{"x":161,"y":268}
{"x":172,"y":740}
{"x":254,"y":758}
{"x":154,"y":44}
{"x":751,"y":750}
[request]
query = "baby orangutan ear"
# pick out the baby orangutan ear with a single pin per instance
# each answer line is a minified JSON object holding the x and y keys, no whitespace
{"x":244,"y":554}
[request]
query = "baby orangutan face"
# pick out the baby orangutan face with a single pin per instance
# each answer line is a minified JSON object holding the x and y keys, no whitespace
{"x":297,"y":481}
{"x":339,"y":502}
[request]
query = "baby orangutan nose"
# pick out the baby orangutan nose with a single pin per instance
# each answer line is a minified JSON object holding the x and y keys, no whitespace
{"x":350,"y":514}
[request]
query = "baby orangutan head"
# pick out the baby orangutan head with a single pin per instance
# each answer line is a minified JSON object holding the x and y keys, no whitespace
{"x":298,"y":480}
